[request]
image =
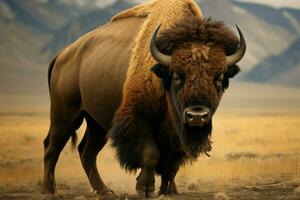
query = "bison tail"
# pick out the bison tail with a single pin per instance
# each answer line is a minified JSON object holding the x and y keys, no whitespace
{"x":73,"y":141}
{"x":50,"y":68}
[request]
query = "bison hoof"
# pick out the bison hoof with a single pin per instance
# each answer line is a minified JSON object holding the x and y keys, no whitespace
{"x":49,"y":189}
{"x":172,"y":188}
{"x":145,"y":184}
{"x":52,"y":197}
{"x":145,"y":193}
{"x":109,"y":195}
{"x":168,"y":189}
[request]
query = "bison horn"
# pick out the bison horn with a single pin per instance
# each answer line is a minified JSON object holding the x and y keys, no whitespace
{"x":240,"y":52}
{"x":156,"y":54}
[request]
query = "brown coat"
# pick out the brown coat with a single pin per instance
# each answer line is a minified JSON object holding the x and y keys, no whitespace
{"x":107,"y":74}
{"x":109,"y":77}
{"x":96,"y":64}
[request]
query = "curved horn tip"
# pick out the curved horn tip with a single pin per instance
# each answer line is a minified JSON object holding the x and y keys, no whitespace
{"x":240,"y":52}
{"x":156,"y":54}
{"x":240,"y":32}
{"x":238,"y":28}
{"x":242,"y":38}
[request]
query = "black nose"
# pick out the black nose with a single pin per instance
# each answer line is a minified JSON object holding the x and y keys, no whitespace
{"x":196,"y":115}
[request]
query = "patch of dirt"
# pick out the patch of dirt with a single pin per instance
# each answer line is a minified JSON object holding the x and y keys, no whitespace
{"x":81,"y":191}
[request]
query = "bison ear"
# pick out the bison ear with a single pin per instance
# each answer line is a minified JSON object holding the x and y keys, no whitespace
{"x":232,"y":71}
{"x":163,"y":73}
{"x":159,"y":70}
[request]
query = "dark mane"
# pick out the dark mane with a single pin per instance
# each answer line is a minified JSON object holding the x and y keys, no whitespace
{"x":197,"y":30}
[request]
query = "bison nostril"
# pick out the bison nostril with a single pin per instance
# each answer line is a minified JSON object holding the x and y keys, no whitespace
{"x":190,"y":116}
{"x":204,"y":115}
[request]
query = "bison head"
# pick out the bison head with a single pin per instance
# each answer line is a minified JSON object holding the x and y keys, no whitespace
{"x":195,"y":60}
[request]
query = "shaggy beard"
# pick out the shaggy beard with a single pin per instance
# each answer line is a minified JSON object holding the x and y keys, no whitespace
{"x":197,"y":140}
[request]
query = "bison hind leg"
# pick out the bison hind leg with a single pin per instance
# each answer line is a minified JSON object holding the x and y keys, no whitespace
{"x":93,"y":141}
{"x":58,"y":135}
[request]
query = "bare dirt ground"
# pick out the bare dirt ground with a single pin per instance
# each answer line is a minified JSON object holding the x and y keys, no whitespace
{"x":255,"y":156}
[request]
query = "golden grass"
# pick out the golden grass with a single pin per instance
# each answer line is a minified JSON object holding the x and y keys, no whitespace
{"x":248,"y":149}
{"x":251,"y":149}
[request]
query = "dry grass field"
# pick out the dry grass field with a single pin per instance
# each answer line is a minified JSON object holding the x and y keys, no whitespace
{"x":256,"y":155}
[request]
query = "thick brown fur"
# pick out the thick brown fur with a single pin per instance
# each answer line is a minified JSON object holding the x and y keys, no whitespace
{"x":143,"y":91}
{"x":148,"y":91}
{"x":198,"y":31}
{"x":198,"y":44}
{"x":203,"y":40}
{"x":145,"y":109}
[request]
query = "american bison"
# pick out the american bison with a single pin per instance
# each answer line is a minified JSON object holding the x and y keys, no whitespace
{"x":151,"y":80}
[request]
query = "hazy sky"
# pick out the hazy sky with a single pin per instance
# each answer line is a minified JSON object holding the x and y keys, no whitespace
{"x":278,"y":3}
{"x":274,"y":3}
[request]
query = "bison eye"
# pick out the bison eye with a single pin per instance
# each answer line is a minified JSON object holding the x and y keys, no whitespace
{"x":177,"y":79}
{"x":219,"y":80}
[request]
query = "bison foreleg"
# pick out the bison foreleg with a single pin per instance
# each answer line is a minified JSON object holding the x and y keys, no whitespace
{"x":136,"y":148}
{"x":168,"y":185}
{"x":146,"y":181}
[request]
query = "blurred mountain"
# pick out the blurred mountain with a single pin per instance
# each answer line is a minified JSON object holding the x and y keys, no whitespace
{"x":32,"y":31}
{"x":281,"y":69}
{"x":82,"y":24}
{"x":25,"y":28}
{"x":287,"y":18}
{"x":264,"y":39}
{"x":90,"y":4}
{"x":44,"y":17}
{"x":260,"y":43}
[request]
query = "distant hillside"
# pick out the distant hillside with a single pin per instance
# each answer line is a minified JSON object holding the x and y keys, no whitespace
{"x":284,"y":67}
{"x":26,"y":25}
{"x":286,"y":18}
{"x":263,"y":39}
{"x":86,"y":4}
{"x":281,"y":69}
{"x":44,"y":17}
{"x":261,"y":44}
{"x":32,"y":31}
{"x":82,"y":24}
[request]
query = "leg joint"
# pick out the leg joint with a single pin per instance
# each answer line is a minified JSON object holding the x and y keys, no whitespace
{"x":150,"y":155}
